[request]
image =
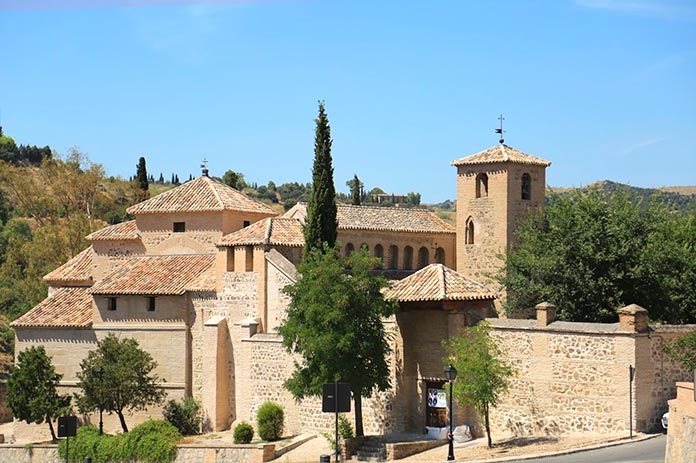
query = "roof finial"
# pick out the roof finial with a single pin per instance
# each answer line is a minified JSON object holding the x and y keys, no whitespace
{"x":500,"y":130}
{"x":204,"y":167}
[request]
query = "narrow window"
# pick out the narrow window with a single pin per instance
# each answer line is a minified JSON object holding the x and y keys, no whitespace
{"x":423,"y":257}
{"x":379,"y":253}
{"x":246,"y":224}
{"x":111,"y":303}
{"x":526,"y":186}
{"x":150,"y":304}
{"x":179,"y":227}
{"x":249,"y":264}
{"x":393,"y":257}
{"x":469,"y":232}
{"x":408,"y":258}
{"x":440,"y":256}
{"x":482,"y":186}
{"x":349,"y":249}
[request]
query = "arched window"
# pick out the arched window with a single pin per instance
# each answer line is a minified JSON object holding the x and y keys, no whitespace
{"x":423,"y":257}
{"x":379,"y":253}
{"x":349,"y":249}
{"x":482,"y":186}
{"x":469,"y":232}
{"x":408,"y":258}
{"x":440,"y":256}
{"x":393,"y":257}
{"x":526,"y":186}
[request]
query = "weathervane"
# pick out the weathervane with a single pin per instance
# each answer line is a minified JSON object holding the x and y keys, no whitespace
{"x":500,"y":130}
{"x":204,"y":167}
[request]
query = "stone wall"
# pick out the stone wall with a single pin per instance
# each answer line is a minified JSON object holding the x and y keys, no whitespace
{"x":681,"y":433}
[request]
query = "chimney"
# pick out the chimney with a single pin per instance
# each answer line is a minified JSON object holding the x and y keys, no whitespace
{"x":633,"y":318}
{"x":545,"y":313}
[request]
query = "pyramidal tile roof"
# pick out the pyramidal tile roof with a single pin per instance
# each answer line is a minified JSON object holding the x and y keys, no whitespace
{"x":437,"y":283}
{"x":203,"y":194}
{"x":76,"y":270}
{"x":397,"y":219}
{"x":68,"y":307}
{"x":160,"y":275}
{"x":274,"y":231}
{"x":121,"y":232}
{"x":501,"y":153}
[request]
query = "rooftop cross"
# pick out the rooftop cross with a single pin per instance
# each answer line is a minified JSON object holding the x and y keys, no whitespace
{"x":500,"y":130}
{"x":204,"y":167}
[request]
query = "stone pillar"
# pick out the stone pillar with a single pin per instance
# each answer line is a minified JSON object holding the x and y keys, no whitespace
{"x":215,"y":396}
{"x":633,"y":318}
{"x":545,"y":314}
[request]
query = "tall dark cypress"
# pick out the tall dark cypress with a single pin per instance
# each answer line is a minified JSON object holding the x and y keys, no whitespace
{"x":322,"y":224}
{"x":141,"y":176}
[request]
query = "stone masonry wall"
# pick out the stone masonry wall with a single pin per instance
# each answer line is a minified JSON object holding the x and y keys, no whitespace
{"x":681,"y":434}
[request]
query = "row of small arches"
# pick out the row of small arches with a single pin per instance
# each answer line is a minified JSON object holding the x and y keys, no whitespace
{"x":392,"y":259}
{"x":482,"y":186}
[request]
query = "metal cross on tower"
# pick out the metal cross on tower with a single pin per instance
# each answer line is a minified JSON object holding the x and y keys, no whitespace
{"x":204,"y":167}
{"x":500,"y":130}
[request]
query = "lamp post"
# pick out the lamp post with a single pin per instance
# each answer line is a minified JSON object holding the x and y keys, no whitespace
{"x":100,"y":373}
{"x":450,"y":374}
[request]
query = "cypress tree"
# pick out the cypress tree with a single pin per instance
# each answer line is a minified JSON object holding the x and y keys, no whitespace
{"x":141,"y":176}
{"x":355,"y":186}
{"x":322,"y":225}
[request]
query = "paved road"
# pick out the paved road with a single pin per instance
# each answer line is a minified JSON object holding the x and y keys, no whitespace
{"x":647,"y":451}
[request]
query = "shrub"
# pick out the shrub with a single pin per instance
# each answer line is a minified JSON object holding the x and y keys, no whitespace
{"x":683,"y":351}
{"x":345,"y":431}
{"x":269,"y":421}
{"x":185,"y":414}
{"x":150,"y":442}
{"x":243,"y":433}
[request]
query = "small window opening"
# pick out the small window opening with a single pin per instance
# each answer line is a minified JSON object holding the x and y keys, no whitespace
{"x":423,"y":257}
{"x":349,"y":249}
{"x":482,"y":186}
{"x":246,"y":223}
{"x":526,"y":186}
{"x":150,"y":304}
{"x":469,"y":233}
{"x":179,"y":227}
{"x":111,"y":303}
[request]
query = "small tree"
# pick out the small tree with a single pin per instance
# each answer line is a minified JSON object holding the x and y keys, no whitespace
{"x":31,"y":388}
{"x":683,"y":351}
{"x":482,"y":373}
{"x":117,"y":376}
{"x":356,"y":187}
{"x":185,"y":414}
{"x":334,"y":322}
{"x":141,"y":179}
{"x":270,"y":420}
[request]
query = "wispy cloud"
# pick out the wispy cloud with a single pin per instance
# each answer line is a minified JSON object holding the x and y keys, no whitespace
{"x":79,"y":4}
{"x":639,"y":146}
{"x":663,"y":9}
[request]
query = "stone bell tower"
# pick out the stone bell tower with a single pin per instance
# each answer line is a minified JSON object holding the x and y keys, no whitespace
{"x":496,"y":188}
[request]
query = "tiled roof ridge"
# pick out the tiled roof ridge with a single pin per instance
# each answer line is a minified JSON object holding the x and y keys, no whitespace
{"x":501,"y":153}
{"x":269,"y":230}
{"x":443,"y":280}
{"x":128,"y":230}
{"x":215,"y":192}
{"x":77,"y":268}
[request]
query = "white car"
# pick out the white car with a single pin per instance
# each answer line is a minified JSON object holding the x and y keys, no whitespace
{"x":664,"y":420}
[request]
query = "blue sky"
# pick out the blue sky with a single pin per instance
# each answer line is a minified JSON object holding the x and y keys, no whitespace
{"x":605,"y":89}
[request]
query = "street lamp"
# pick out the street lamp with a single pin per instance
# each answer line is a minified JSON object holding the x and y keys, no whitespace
{"x":450,"y":374}
{"x":100,"y":373}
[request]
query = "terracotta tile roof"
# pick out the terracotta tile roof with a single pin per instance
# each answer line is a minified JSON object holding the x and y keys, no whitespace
{"x":437,"y":283}
{"x":274,"y":231}
{"x":398,"y":219}
{"x":154,"y":275}
{"x":66,"y":307}
{"x":501,"y":153}
{"x":201,"y":195}
{"x":120,"y":231}
{"x":77,"y":269}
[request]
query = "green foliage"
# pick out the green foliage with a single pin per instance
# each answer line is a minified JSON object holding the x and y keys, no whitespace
{"x":31,"y":388}
{"x":321,"y":225}
{"x":185,"y":414}
{"x":356,"y":187}
{"x":334,"y":323}
{"x":243,"y":433}
{"x":151,"y":442}
{"x":683,"y":351}
{"x":592,"y":253}
{"x":141,"y":177}
{"x":482,"y":372}
{"x":117,"y":376}
{"x":345,"y":431}
{"x":234,"y":179}
{"x":269,"y":421}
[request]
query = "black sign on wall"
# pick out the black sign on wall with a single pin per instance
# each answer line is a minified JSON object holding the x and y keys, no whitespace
{"x":67,"y":426}
{"x":333,"y":393}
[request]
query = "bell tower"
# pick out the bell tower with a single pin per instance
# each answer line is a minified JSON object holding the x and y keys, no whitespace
{"x":496,"y":188}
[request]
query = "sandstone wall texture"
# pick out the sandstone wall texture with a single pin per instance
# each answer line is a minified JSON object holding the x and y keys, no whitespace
{"x":681,"y":433}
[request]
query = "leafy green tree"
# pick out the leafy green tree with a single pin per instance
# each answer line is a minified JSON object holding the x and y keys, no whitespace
{"x":8,"y":149}
{"x":117,"y":376}
{"x":413,"y":198}
{"x":334,"y":323}
{"x":482,"y":372}
{"x":234,"y":179}
{"x":591,"y":253}
{"x":321,"y":224}
{"x":683,"y":351}
{"x":31,"y":389}
{"x":356,"y":187}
